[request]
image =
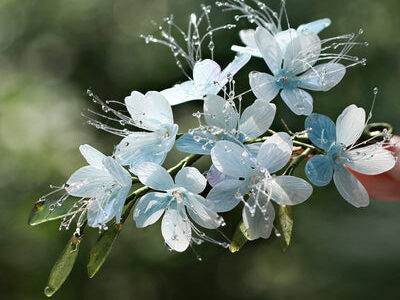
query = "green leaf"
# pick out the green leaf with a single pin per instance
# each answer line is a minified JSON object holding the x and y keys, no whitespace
{"x":240,"y":238}
{"x":43,"y":212}
{"x":63,"y":266}
{"x":284,"y":224}
{"x":102,"y":249}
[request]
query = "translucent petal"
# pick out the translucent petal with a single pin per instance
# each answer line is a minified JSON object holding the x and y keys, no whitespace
{"x":191,"y":179}
{"x":198,"y":142}
{"x":247,"y":50}
{"x":151,"y":111}
{"x":175,"y":228}
{"x":248,"y":38}
{"x":300,"y":102}
{"x":275,"y":152}
{"x":92,"y":156}
{"x":155,"y":176}
{"x":120,"y":175}
{"x":322,"y":77}
{"x":150,"y":208}
{"x":181,"y":93}
{"x":319,"y":170}
{"x":206,"y":72}
{"x":320,"y":130}
{"x":258,"y":224}
{"x":315,"y":26}
{"x":370,"y":160}
{"x":232,"y":159}
{"x":350,"y":125}
{"x":263,"y":86}
{"x":269,"y":49}
{"x":222,"y":197}
{"x":202,"y":215}
{"x":238,"y":62}
{"x":87,"y":181}
{"x":254,"y":148}
{"x":256,"y":119}
{"x":146,"y":154}
{"x":350,"y":188}
{"x":118,"y":203}
{"x":220,"y":113}
{"x":302,"y":52}
{"x":214,"y":176}
{"x":289,"y":190}
{"x":283,"y":38}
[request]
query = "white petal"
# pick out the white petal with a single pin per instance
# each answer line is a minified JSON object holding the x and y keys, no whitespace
{"x":181,"y":93}
{"x":246,"y":50}
{"x":247,"y":37}
{"x":300,"y":102}
{"x":263,"y":86}
{"x":155,"y":176}
{"x":350,"y":188}
{"x":370,"y":160}
{"x":289,"y":190}
{"x":350,"y":125}
{"x":222,"y":197}
{"x":191,"y":179}
{"x":283,"y":38}
{"x":151,"y":111}
{"x":220,"y":113}
{"x":92,"y":156}
{"x":238,"y":62}
{"x":275,"y":152}
{"x":149,"y":209}
{"x":258,"y":224}
{"x":322,"y":77}
{"x":175,"y":228}
{"x":256,"y":119}
{"x":315,"y":26}
{"x":269,"y":49}
{"x":201,"y":214}
{"x":232,"y":159}
{"x":120,"y":175}
{"x":87,"y":181}
{"x":206,"y":72}
{"x":302,"y":52}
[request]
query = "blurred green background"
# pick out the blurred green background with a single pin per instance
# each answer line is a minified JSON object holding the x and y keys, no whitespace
{"x":51,"y":51}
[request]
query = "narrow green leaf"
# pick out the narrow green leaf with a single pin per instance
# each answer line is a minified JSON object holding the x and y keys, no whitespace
{"x":284,"y":224}
{"x":102,"y":249}
{"x":47,"y":210}
{"x":239,"y":238}
{"x":63,"y":266}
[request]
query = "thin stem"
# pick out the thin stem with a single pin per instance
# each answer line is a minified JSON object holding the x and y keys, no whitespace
{"x":295,"y":162}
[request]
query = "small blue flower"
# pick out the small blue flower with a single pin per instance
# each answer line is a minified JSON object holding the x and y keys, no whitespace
{"x":338,"y":141}
{"x":178,"y":199}
{"x":208,"y":79}
{"x":102,"y":186}
{"x":153,"y":113}
{"x":251,"y":177}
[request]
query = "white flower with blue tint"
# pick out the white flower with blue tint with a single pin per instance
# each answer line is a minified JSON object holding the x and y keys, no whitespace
{"x":251,"y":177}
{"x":339,"y":143}
{"x":208,"y":79}
{"x":153,"y":113}
{"x":224,"y":121}
{"x":176,"y":201}
{"x":103,"y":186}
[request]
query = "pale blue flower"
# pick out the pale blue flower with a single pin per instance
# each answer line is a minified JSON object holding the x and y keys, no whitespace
{"x":251,"y":177}
{"x":338,"y":141}
{"x":153,"y":113}
{"x":102,"y":186}
{"x":208,"y":79}
{"x":293,"y":69}
{"x":175,"y":202}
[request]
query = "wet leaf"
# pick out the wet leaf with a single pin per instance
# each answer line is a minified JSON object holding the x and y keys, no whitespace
{"x":63,"y":266}
{"x":102,"y":249}
{"x":47,"y":210}
{"x":239,"y":238}
{"x":284,"y":224}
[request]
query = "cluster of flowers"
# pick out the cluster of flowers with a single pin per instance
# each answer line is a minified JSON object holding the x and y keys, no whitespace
{"x":245,"y":160}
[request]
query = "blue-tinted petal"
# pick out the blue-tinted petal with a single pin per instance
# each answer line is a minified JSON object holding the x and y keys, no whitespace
{"x":319,"y":170}
{"x":197,"y":142}
{"x":150,"y":208}
{"x":322,"y":77}
{"x":315,"y":26}
{"x":117,"y":171}
{"x":300,"y":102}
{"x":321,"y":131}
{"x":238,"y":62}
{"x":155,"y":176}
{"x":86,"y":181}
{"x":263,"y":86}
{"x":220,"y":113}
{"x":181,"y":93}
{"x":223,"y":196}
{"x":92,"y":156}
{"x":200,"y":213}
{"x":191,"y":179}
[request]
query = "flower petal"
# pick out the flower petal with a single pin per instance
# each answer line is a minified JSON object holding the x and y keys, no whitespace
{"x":206,"y":72}
{"x":181,"y":93}
{"x":220,"y":113}
{"x":117,"y":172}
{"x":269,"y":49}
{"x":92,"y":156}
{"x":350,"y":188}
{"x":256,"y":119}
{"x":150,"y":208}
{"x":315,"y":26}
{"x":155,"y":176}
{"x":322,"y":77}
{"x":289,"y":190}
{"x":263,"y":86}
{"x":175,"y":228}
{"x":201,"y":214}
{"x":222,"y":197}
{"x":248,"y":38}
{"x":197,"y":142}
{"x":232,"y":159}
{"x":299,"y":101}
{"x":350,"y":125}
{"x":238,"y":63}
{"x":275,"y":152}
{"x":214,"y":176}
{"x":191,"y":179}
{"x":321,"y":131}
{"x":319,"y":170}
{"x":284,"y":38}
{"x":87,"y":181}
{"x":370,"y":160}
